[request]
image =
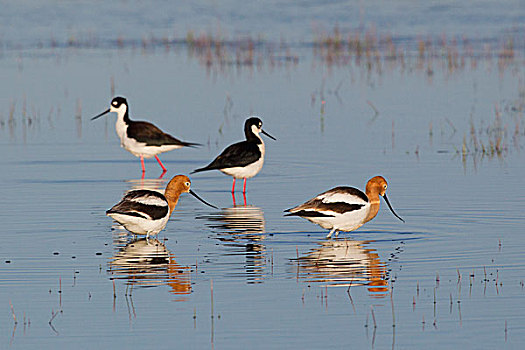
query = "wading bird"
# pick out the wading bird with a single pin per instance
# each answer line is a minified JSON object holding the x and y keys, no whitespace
{"x":146,"y":212}
{"x":344,"y":208}
{"x":142,"y":139}
{"x":244,"y":159}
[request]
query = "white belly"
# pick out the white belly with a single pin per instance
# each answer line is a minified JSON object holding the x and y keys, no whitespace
{"x":248,"y":171}
{"x":139,"y":148}
{"x":140,"y":226}
{"x":344,"y":222}
{"x":245,"y":172}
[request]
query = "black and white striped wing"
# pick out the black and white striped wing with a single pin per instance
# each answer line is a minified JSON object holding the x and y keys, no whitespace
{"x":149,"y":205}
{"x":338,"y":200}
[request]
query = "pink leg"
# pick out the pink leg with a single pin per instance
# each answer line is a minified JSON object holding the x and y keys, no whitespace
{"x":142,"y":163}
{"x":233,"y":199}
{"x":160,"y":163}
{"x":244,"y":187}
{"x":244,"y":196}
{"x":233,"y":186}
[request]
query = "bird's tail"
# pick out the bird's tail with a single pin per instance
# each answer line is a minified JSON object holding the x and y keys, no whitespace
{"x":199,"y":170}
{"x":306,"y":213}
{"x":191,"y":144}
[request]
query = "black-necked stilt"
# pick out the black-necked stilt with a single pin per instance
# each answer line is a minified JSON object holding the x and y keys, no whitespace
{"x":142,"y":139}
{"x":344,"y":208}
{"x":146,"y":212}
{"x":244,"y":159}
{"x":245,"y":222}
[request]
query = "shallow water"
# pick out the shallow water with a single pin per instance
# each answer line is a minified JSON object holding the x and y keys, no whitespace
{"x":246,"y":276}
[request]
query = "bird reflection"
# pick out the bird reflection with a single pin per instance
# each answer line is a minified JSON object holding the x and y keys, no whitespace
{"x":246,"y":221}
{"x":345,"y":263}
{"x":241,"y":229}
{"x":148,"y":263}
{"x":148,"y":184}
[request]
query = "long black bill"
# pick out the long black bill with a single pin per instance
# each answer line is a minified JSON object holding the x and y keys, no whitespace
{"x":392,"y":210}
{"x":202,"y":200}
{"x":100,"y":115}
{"x":270,"y":136}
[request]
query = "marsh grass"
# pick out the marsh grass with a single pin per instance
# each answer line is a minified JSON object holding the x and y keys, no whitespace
{"x":502,"y":135}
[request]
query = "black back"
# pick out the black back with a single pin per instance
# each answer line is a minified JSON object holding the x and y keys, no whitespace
{"x":237,"y":155}
{"x":152,"y":136}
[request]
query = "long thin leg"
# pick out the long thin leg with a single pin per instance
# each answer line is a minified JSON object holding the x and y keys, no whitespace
{"x":244,"y":187}
{"x":330,"y":234}
{"x":244,"y":196}
{"x":233,"y":186}
{"x":142,"y":163}
{"x":160,"y":163}
{"x":233,"y":199}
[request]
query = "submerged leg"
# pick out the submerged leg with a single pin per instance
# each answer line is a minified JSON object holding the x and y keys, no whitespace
{"x":160,"y":163}
{"x":244,"y":187}
{"x":233,"y":186}
{"x":330,"y":233}
{"x":142,"y":163}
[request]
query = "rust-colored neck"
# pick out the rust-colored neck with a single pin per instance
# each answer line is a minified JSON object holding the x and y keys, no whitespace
{"x":173,"y":198}
{"x":174,"y":189}
{"x":374,"y":209}
{"x":372,"y":192}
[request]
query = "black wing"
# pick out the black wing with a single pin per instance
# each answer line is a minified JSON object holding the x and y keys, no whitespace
{"x":142,"y":203}
{"x":153,"y":136}
{"x":237,"y":155}
{"x":309,"y":213}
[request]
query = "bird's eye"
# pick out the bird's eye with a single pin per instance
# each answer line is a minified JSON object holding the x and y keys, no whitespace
{"x":115,"y":103}
{"x":384,"y":186}
{"x":187,"y":184}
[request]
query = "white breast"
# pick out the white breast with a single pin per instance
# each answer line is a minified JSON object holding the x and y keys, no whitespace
{"x":140,"y":225}
{"x":121,"y":127}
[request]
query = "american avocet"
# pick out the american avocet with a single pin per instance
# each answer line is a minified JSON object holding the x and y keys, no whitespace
{"x":344,"y":208}
{"x":142,"y":139}
{"x":244,"y":159}
{"x":147,"y":262}
{"x":344,"y":263}
{"x":146,"y":212}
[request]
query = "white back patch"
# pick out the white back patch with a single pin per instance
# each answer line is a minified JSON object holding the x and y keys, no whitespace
{"x":150,"y":200}
{"x":335,"y":197}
